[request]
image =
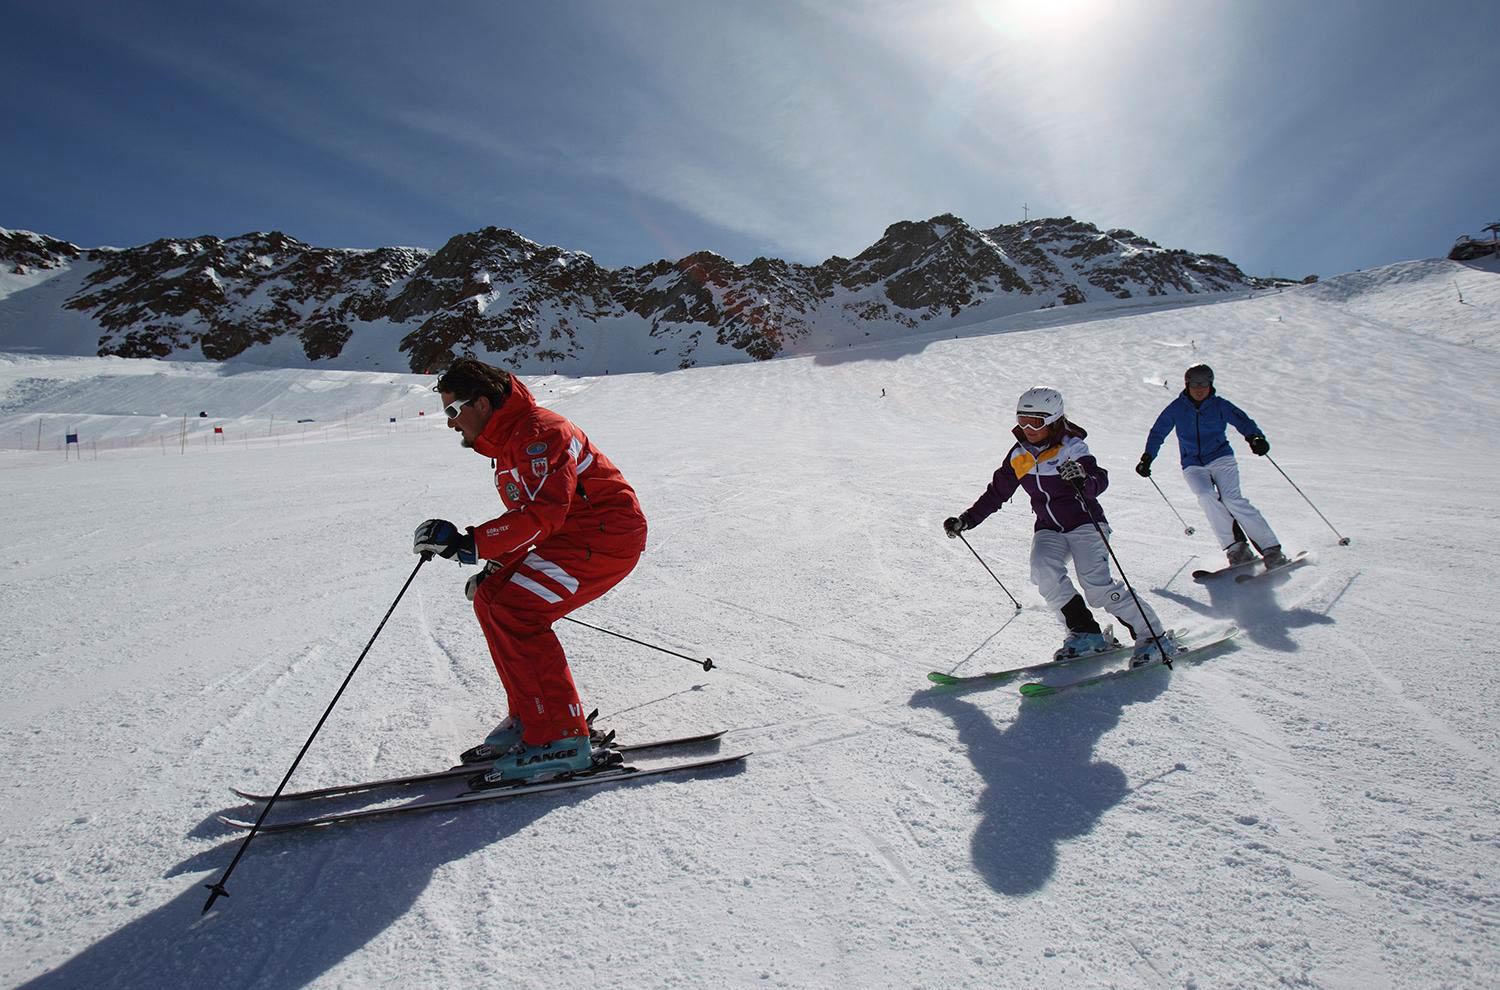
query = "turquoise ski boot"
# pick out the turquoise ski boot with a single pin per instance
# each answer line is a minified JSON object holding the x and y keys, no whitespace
{"x":544,"y":761}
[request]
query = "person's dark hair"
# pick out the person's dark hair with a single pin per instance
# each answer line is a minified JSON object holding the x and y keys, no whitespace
{"x":469,"y":378}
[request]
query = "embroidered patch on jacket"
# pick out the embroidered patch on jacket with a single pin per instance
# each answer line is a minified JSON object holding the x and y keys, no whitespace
{"x":536,"y":448}
{"x":513,"y":491}
{"x":539,"y":466}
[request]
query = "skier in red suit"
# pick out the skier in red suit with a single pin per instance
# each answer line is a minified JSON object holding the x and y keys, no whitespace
{"x":571,"y":530}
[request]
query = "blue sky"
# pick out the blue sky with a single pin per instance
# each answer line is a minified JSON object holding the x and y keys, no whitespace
{"x":1293,"y":137}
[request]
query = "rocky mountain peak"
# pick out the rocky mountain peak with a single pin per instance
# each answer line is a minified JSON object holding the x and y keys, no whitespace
{"x":22,"y":252}
{"x":493,"y":291}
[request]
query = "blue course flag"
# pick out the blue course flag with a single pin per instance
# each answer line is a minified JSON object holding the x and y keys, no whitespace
{"x":72,"y":438}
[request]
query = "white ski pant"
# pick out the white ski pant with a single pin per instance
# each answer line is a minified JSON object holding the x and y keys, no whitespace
{"x":1050,"y":553}
{"x":1218,"y":489}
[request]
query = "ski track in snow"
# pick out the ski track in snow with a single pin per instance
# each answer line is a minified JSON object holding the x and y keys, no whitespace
{"x":1314,"y":807}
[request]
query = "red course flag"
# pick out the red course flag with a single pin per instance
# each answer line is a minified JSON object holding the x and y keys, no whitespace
{"x":218,"y":429}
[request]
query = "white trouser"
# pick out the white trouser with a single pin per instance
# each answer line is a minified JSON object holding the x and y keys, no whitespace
{"x":1050,"y":553}
{"x":1218,"y":489}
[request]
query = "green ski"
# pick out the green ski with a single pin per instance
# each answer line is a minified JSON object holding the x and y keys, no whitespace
{"x":1196,"y":648}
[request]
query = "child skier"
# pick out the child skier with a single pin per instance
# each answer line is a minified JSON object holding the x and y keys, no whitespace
{"x":1200,"y":416}
{"x":1052,"y":463}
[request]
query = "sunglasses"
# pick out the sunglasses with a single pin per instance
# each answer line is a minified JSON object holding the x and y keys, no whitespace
{"x":454,"y":408}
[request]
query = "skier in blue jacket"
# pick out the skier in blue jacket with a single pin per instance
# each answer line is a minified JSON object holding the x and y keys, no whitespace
{"x":1201,"y":418}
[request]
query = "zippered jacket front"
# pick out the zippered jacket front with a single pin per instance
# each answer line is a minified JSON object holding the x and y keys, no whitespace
{"x":1201,"y":428}
{"x":1034,"y":468}
{"x":553,"y":483}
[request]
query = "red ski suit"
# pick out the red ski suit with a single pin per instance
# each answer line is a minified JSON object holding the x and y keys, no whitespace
{"x":572,"y":529}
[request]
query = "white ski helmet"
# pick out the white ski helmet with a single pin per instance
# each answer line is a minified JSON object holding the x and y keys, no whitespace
{"x":1042,"y":401}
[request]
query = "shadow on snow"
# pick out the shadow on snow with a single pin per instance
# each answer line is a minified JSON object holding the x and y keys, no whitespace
{"x":1042,"y":782}
{"x":300,"y":902}
{"x":1253,"y":607}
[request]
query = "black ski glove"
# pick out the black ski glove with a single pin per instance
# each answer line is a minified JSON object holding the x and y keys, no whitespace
{"x":471,"y":586}
{"x":1072,"y":472}
{"x":1259,"y":445}
{"x":441,"y":537}
{"x":1144,"y":467}
{"x":954,"y":525}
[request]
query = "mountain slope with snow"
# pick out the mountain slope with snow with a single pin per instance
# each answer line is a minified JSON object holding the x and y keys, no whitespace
{"x":269,"y":299}
{"x":1316,"y":807}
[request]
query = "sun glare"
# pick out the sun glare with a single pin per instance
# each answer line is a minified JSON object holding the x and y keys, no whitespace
{"x":1024,"y":20}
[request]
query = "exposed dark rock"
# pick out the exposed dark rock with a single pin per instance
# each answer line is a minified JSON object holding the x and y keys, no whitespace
{"x":494,"y":291}
{"x":21,"y":250}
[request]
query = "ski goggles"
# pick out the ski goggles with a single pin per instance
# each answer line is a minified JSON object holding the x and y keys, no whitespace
{"x":1029,"y":422}
{"x":452,"y":409}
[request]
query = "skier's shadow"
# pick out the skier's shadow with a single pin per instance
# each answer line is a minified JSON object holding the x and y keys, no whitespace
{"x":1253,"y":607}
{"x":299,"y":904}
{"x":1042,"y":783}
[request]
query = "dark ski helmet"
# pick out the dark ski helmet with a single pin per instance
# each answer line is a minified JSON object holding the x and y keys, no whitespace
{"x":1198,"y":374}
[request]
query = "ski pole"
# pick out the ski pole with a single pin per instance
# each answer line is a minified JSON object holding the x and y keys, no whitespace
{"x":1343,"y":540}
{"x":1186,"y":529}
{"x":1166,"y":657}
{"x":992,"y":573}
{"x":707,"y":664}
{"x":218,"y":888}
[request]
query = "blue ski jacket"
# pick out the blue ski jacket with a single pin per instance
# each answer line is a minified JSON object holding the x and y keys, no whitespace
{"x":1200,"y":428}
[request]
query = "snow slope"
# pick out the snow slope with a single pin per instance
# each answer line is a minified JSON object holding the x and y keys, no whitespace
{"x":1317,"y":807}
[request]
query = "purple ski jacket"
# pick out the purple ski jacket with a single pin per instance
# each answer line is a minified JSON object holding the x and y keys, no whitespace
{"x":1034,"y":468}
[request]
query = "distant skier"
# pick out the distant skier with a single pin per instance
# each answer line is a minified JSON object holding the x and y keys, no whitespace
{"x":1201,"y":417}
{"x":571,"y":530}
{"x":1047,"y":460}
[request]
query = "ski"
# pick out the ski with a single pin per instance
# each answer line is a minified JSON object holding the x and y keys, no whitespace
{"x":1235,"y":569}
{"x":1194,"y":650}
{"x":616,"y":774}
{"x":1296,"y":561}
{"x":1208,"y":575}
{"x":457,"y":771}
{"x":1001,"y":676}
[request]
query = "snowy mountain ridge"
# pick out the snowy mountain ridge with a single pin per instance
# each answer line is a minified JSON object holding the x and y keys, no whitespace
{"x":271,"y":299}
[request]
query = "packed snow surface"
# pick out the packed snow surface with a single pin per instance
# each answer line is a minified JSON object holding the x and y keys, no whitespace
{"x":1317,"y":807}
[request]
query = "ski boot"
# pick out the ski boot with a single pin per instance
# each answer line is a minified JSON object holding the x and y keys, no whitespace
{"x":501,"y":738}
{"x":1147,"y":651}
{"x":1239,"y":552}
{"x":1081,"y":644}
{"x":1274,"y":558}
{"x":527,"y":763}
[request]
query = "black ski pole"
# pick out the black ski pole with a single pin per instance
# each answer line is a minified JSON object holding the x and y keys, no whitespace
{"x":218,"y":888}
{"x":992,"y":573}
{"x":707,"y":664}
{"x":1343,"y":540}
{"x":1186,"y":529}
{"x":1166,"y":657}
